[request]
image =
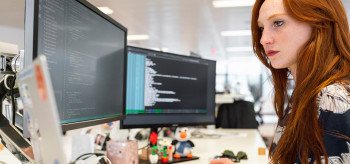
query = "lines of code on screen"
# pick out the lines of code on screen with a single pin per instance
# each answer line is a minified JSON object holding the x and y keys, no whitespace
{"x":169,"y":85}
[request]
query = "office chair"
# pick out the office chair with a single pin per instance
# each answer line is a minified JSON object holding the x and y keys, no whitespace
{"x":239,"y":114}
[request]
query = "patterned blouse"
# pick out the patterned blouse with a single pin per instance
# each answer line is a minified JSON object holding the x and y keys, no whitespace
{"x":334,"y":112}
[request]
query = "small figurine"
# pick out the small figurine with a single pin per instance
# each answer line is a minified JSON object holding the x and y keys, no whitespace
{"x":153,"y":158}
{"x":171,"y":151}
{"x":182,"y":143}
{"x":164,"y":158}
{"x":153,"y":138}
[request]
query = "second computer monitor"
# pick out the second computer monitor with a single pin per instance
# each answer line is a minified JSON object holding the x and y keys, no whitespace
{"x":165,"y":89}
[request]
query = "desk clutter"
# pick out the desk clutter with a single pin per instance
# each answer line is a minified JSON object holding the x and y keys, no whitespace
{"x":141,"y":152}
{"x":164,"y":151}
{"x":122,"y":152}
{"x":119,"y":150}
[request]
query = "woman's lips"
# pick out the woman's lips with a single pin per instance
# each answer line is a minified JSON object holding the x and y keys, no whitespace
{"x":271,"y":53}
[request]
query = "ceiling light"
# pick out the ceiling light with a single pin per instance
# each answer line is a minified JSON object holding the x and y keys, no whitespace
{"x":236,"y":33}
{"x":106,"y":10}
{"x":232,"y":3}
{"x":138,"y":37}
{"x":239,"y":49}
{"x":156,"y":49}
{"x":164,"y":49}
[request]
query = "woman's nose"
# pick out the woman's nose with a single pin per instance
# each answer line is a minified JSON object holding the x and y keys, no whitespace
{"x":266,"y":38}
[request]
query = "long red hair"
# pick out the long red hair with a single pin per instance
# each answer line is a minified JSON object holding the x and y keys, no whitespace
{"x":324,"y":59}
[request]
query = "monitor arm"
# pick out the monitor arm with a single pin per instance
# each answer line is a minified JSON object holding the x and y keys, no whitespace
{"x":11,"y":62}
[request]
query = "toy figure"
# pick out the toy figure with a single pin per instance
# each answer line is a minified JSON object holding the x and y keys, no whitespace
{"x":182,"y":143}
{"x":153,"y":138}
{"x":164,"y":158}
{"x":153,"y":158}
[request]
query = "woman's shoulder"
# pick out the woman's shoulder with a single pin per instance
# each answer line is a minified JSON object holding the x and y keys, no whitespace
{"x":334,"y":116}
{"x":335,"y":98}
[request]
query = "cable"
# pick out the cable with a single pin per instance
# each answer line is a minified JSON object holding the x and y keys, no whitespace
{"x":97,"y":154}
{"x":147,"y":146}
{"x":96,"y":159}
{"x":99,"y":158}
{"x":3,"y":92}
{"x":13,"y":100}
{"x":109,"y":161}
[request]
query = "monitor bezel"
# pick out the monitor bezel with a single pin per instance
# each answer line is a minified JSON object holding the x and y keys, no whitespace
{"x":86,"y":123}
{"x":123,"y":126}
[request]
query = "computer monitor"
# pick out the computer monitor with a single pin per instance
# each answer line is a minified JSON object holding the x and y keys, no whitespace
{"x":86,"y":54}
{"x":165,"y":89}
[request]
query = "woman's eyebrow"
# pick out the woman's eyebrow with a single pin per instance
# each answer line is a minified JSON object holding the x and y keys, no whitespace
{"x":272,"y":16}
{"x":275,"y":15}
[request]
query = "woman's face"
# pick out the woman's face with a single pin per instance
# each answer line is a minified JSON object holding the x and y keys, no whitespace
{"x":282,"y":35}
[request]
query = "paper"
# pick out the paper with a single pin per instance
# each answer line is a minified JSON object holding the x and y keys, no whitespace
{"x":82,"y":144}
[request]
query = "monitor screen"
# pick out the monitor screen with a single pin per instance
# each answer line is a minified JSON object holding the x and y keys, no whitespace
{"x":86,"y":53}
{"x":165,"y":89}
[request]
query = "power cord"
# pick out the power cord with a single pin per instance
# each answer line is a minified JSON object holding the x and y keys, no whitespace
{"x":98,"y":159}
{"x":90,"y":154}
{"x":147,"y":146}
{"x":13,"y":100}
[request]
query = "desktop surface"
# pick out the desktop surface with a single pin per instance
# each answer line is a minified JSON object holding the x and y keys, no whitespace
{"x":7,"y":157}
{"x":247,"y":140}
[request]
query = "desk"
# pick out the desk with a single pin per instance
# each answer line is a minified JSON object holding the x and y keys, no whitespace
{"x":7,"y":157}
{"x":247,"y":140}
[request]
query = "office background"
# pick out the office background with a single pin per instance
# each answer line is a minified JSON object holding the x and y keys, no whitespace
{"x":200,"y":27}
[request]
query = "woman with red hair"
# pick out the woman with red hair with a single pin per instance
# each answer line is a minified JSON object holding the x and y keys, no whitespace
{"x":309,"y":40}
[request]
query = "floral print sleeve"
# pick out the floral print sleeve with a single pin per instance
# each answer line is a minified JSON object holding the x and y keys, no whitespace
{"x":334,"y":116}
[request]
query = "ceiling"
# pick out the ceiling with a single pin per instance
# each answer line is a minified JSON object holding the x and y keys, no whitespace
{"x":181,"y":26}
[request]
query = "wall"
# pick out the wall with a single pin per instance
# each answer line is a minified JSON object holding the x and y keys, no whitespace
{"x":12,"y":35}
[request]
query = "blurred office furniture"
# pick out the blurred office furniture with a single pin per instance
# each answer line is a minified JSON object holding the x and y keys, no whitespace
{"x":239,"y":114}
{"x":228,"y":98}
{"x":258,"y":111}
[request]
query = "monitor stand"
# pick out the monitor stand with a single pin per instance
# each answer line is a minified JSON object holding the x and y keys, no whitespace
{"x":175,"y":160}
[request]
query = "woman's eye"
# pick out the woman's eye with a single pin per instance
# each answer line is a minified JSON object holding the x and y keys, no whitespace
{"x":278,"y":23}
{"x":261,"y":29}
